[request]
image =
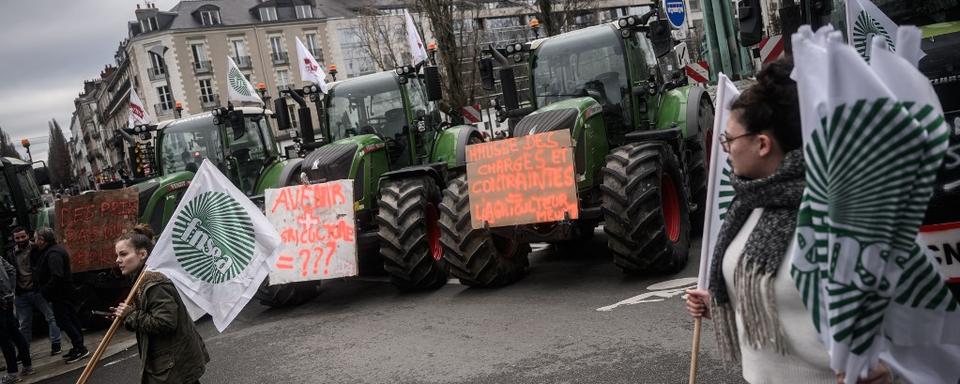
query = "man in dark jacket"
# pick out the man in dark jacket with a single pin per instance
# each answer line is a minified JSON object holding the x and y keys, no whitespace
{"x":51,"y":274}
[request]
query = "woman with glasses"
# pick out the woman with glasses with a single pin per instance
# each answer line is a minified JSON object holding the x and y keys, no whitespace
{"x":758,"y":313}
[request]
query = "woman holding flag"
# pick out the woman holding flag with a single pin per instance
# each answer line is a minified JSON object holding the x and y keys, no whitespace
{"x":759,"y":316}
{"x":170,"y":348}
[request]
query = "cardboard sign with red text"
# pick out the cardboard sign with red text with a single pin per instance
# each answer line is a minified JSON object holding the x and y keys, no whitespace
{"x":942,"y":242}
{"x":317,"y":233}
{"x":89,"y":226}
{"x":522,"y":180}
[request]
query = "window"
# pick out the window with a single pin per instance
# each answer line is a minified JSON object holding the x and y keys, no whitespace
{"x":276,"y":46}
{"x":239,"y":49}
{"x":199,"y":56}
{"x":314,"y":48}
{"x":149,"y":24}
{"x":166,"y":99}
{"x":292,"y":110}
{"x":210,"y":17}
{"x":304,"y":12}
{"x":283,"y":77}
{"x":268,"y":14}
{"x":158,"y":66}
{"x":694,"y":5}
{"x":206,"y":91}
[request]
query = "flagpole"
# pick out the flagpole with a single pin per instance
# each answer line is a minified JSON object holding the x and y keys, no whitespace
{"x":102,"y":347}
{"x":846,"y":12}
{"x":702,"y":282}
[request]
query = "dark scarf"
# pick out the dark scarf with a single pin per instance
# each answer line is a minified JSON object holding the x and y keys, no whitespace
{"x":779,"y":196}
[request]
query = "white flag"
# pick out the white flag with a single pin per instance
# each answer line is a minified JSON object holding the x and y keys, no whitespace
{"x":719,"y":190}
{"x":138,"y":114}
{"x":865,"y":22}
{"x":310,"y":70}
{"x":239,"y":88}
{"x":414,"y":43}
{"x":217,"y":247}
{"x":874,"y":137}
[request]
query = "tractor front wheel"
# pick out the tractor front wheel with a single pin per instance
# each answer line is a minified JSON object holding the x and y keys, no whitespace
{"x":646,"y":215}
{"x":409,"y":233}
{"x":477,"y":256}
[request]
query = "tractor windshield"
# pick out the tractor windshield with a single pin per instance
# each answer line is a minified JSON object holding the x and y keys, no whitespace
{"x":368,"y":104}
{"x":248,"y":151}
{"x":184,"y":145}
{"x":589,"y":62}
{"x":6,"y":197}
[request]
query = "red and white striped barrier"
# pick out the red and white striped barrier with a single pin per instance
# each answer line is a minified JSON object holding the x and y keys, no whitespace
{"x":698,"y":72}
{"x":472,"y":113}
{"x":771,"y":48}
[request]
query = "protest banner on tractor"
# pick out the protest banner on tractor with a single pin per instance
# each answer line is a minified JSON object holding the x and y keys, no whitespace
{"x":523,"y":180}
{"x":317,"y":231}
{"x":89,"y":225}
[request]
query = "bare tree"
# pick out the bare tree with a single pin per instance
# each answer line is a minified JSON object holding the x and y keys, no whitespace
{"x":556,"y":15}
{"x":377,"y":34}
{"x":457,"y":42}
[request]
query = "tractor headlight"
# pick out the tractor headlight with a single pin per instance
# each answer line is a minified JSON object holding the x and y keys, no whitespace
{"x":622,"y":23}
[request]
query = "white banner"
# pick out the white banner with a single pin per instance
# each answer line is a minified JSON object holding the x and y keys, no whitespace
{"x":238,"y":87}
{"x":138,"y":115}
{"x":417,"y":51}
{"x":216,"y":249}
{"x":310,"y":70}
{"x":317,"y":232}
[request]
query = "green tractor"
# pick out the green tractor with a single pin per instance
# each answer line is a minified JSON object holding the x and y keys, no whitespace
{"x":20,"y":198}
{"x":239,"y":141}
{"x":384,"y":132}
{"x":640,"y":136}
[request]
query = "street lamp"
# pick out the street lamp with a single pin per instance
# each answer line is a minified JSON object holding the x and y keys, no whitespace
{"x":26,"y":144}
{"x":535,"y":25}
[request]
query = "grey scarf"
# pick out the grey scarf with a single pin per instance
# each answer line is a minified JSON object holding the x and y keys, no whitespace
{"x":779,"y":196}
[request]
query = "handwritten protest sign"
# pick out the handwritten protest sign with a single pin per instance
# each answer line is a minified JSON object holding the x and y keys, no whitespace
{"x":89,"y":225}
{"x":317,"y":233}
{"x":523,"y":180}
{"x":942,"y":242}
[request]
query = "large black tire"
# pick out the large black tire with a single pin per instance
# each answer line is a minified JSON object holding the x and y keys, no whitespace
{"x":645,"y":216}
{"x":410,"y":234}
{"x":287,"y":295}
{"x":697,"y":160}
{"x":478,"y":257}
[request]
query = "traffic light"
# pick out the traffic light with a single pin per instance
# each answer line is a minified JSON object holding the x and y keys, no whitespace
{"x":751,"y":22}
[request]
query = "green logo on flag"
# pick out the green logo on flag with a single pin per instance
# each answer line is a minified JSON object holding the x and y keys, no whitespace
{"x":213,"y":237}
{"x":865,"y":28}
{"x":725,"y":193}
{"x":238,"y":82}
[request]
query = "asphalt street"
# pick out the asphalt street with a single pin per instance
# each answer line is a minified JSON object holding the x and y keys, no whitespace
{"x":568,"y":321}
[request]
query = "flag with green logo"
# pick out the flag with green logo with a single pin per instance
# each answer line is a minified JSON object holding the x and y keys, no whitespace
{"x":239,"y":88}
{"x":719,"y":190}
{"x":866,"y":22}
{"x":217,"y":247}
{"x":874,"y":138}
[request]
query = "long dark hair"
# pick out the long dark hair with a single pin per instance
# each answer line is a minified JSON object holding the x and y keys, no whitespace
{"x":772,"y":104}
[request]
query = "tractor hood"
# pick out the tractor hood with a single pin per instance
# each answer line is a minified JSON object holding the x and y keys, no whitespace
{"x":335,"y":160}
{"x":560,"y":115}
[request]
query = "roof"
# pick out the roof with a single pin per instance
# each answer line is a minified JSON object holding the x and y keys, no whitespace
{"x":244,"y":12}
{"x":209,"y":115}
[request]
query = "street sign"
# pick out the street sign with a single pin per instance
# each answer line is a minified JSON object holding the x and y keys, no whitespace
{"x":676,"y":12}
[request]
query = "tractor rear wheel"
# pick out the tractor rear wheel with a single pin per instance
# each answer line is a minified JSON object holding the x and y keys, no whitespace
{"x":409,"y":233}
{"x":478,"y":257}
{"x":645,"y":210}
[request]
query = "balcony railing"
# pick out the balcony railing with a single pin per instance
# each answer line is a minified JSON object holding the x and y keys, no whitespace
{"x":279,"y":58}
{"x":209,"y":102}
{"x":163,"y":109}
{"x":157,"y":74}
{"x":202,"y":66}
{"x":243,"y":62}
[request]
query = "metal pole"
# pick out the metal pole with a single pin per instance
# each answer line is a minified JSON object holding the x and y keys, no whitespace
{"x":709,"y":32}
{"x":721,"y":36}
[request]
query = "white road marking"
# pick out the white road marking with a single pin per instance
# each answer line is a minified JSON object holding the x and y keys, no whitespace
{"x":119,"y":360}
{"x":659,"y":292}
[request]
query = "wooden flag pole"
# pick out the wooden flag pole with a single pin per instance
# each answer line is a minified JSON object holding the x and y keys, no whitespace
{"x":695,"y":350}
{"x":102,"y":347}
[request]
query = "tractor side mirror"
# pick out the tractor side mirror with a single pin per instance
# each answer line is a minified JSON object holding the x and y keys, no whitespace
{"x":508,"y":84}
{"x":660,"y":36}
{"x":433,"y":84}
{"x":281,"y":113}
{"x":486,"y":73}
{"x":42,"y":175}
{"x":236,"y":124}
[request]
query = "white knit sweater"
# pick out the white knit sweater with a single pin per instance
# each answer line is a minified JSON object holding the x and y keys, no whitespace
{"x":806,"y":360}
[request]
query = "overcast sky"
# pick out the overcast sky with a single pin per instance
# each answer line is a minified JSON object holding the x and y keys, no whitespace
{"x":49,"y":47}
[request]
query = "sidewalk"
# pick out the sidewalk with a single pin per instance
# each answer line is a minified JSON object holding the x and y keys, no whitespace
{"x":47,"y":366}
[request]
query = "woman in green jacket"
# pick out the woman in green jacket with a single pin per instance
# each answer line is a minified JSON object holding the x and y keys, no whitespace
{"x":170,"y":348}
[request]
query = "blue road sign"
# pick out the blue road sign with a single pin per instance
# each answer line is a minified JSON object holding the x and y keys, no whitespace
{"x":676,"y":12}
